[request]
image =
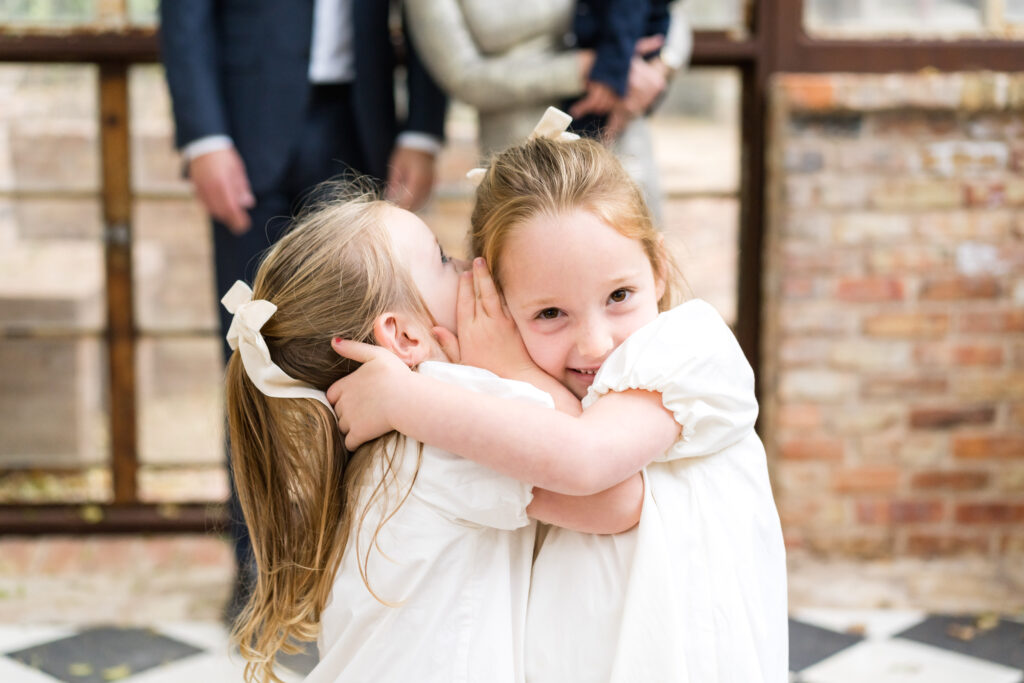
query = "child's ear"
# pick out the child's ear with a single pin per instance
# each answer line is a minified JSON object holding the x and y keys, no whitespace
{"x":404,"y":337}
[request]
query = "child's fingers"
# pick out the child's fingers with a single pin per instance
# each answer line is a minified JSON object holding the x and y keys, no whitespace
{"x":490,"y":300}
{"x":465,"y":306}
{"x":449,"y":343}
{"x":357,"y":351}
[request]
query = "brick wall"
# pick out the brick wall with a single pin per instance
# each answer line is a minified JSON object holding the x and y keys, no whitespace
{"x":893,"y":348}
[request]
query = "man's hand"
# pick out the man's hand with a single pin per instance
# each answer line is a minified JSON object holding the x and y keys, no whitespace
{"x":488,"y":337}
{"x":599,"y":99}
{"x":361,"y":398}
{"x":222,"y":186}
{"x":410,"y":177}
{"x":647,"y":80}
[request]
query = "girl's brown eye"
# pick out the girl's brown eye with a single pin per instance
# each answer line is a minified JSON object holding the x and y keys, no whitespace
{"x":548,"y":314}
{"x":619,"y":295}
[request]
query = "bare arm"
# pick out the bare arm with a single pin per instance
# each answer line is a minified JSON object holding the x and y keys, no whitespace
{"x":606,"y":444}
{"x":611,"y":511}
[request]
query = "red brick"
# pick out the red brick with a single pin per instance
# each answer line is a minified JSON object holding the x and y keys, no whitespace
{"x":798,"y":416}
{"x":932,"y":545}
{"x":950,"y":480}
{"x":929,"y":354}
{"x":989,"y":513}
{"x":800,"y":510}
{"x":899,"y":512}
{"x":993,"y":321}
{"x":907,"y":259}
{"x":113,"y":554}
{"x":19,"y":555}
{"x":904,"y":385}
{"x":798,"y":287}
{"x":960,"y":288}
{"x":978,"y":354}
{"x":1012,"y":543}
{"x":917,"y":193}
{"x":867,"y":479}
{"x":983,"y":447}
{"x":809,"y":92}
{"x":866,"y":289}
{"x":858,"y":544}
{"x":812,"y":449}
{"x":989,"y":385}
{"x":985,"y":194}
{"x":941,"y":418}
{"x":907,"y":325}
{"x":63,"y":555}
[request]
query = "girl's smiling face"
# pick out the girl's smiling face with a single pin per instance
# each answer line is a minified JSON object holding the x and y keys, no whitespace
{"x":576,"y":288}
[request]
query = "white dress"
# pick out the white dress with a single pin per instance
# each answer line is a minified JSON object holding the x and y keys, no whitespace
{"x":454,"y":561}
{"x":697,"y":591}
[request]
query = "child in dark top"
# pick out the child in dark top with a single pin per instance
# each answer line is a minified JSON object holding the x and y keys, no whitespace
{"x":613,"y":28}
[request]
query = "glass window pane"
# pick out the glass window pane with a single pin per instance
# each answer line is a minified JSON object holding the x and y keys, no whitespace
{"x":48,"y":128}
{"x":66,"y":14}
{"x":697,"y":150}
{"x":899,"y":18}
{"x":47,"y":13}
{"x":180,"y":417}
{"x":173,"y":266}
{"x":53,"y":419}
{"x":51,"y":263}
{"x":717,"y":15}
{"x":142,"y":12}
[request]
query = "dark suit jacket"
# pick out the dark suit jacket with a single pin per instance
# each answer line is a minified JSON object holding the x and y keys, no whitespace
{"x":240,"y":68}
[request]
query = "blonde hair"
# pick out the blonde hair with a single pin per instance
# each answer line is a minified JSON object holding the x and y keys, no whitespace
{"x":330,"y":276}
{"x":547,"y":177}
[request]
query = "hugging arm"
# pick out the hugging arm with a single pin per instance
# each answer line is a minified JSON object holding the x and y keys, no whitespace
{"x":488,"y":339}
{"x":611,"y":511}
{"x":610,"y":441}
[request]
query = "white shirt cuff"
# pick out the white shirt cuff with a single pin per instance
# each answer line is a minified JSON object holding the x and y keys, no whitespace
{"x":211,"y":143}
{"x":423,"y":142}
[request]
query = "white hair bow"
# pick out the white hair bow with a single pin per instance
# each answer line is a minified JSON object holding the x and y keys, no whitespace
{"x":552,"y":126}
{"x":245,"y":337}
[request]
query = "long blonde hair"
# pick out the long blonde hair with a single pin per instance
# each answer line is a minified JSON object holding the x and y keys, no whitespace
{"x":547,"y":177}
{"x":330,"y":276}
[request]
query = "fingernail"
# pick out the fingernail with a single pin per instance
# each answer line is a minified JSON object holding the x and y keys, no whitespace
{"x":478,"y":261}
{"x":336,"y":340}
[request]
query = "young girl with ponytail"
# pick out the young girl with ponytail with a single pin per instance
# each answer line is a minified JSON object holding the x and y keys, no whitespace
{"x":404,"y":562}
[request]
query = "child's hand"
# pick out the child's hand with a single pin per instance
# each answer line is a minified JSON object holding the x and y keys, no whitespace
{"x":488,"y":337}
{"x":361,"y":399}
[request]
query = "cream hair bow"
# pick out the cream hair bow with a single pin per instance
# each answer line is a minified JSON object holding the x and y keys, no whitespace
{"x":245,"y":337}
{"x":552,"y":126}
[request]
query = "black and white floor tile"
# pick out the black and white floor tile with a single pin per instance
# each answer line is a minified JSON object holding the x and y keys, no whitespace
{"x":826,"y":646}
{"x":849,"y":646}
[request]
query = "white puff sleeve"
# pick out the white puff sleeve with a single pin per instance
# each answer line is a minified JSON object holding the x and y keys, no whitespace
{"x":691,"y":357}
{"x":461,"y":489}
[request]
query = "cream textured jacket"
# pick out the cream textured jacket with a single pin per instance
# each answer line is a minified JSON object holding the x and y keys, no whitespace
{"x":505,"y":58}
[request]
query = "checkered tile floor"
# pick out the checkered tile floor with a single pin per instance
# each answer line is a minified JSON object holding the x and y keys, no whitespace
{"x":826,"y":646}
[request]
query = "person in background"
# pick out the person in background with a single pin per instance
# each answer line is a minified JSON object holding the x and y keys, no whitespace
{"x":510,"y":61}
{"x":638,"y":48}
{"x":271,"y":97}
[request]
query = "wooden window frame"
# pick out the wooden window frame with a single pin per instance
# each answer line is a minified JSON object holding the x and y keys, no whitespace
{"x":776,"y":42}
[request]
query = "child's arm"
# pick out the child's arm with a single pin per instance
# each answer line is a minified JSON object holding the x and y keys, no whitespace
{"x":611,"y":440}
{"x":611,"y":511}
{"x":488,"y":338}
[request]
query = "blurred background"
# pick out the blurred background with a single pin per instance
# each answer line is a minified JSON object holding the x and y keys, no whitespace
{"x":844,"y":181}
